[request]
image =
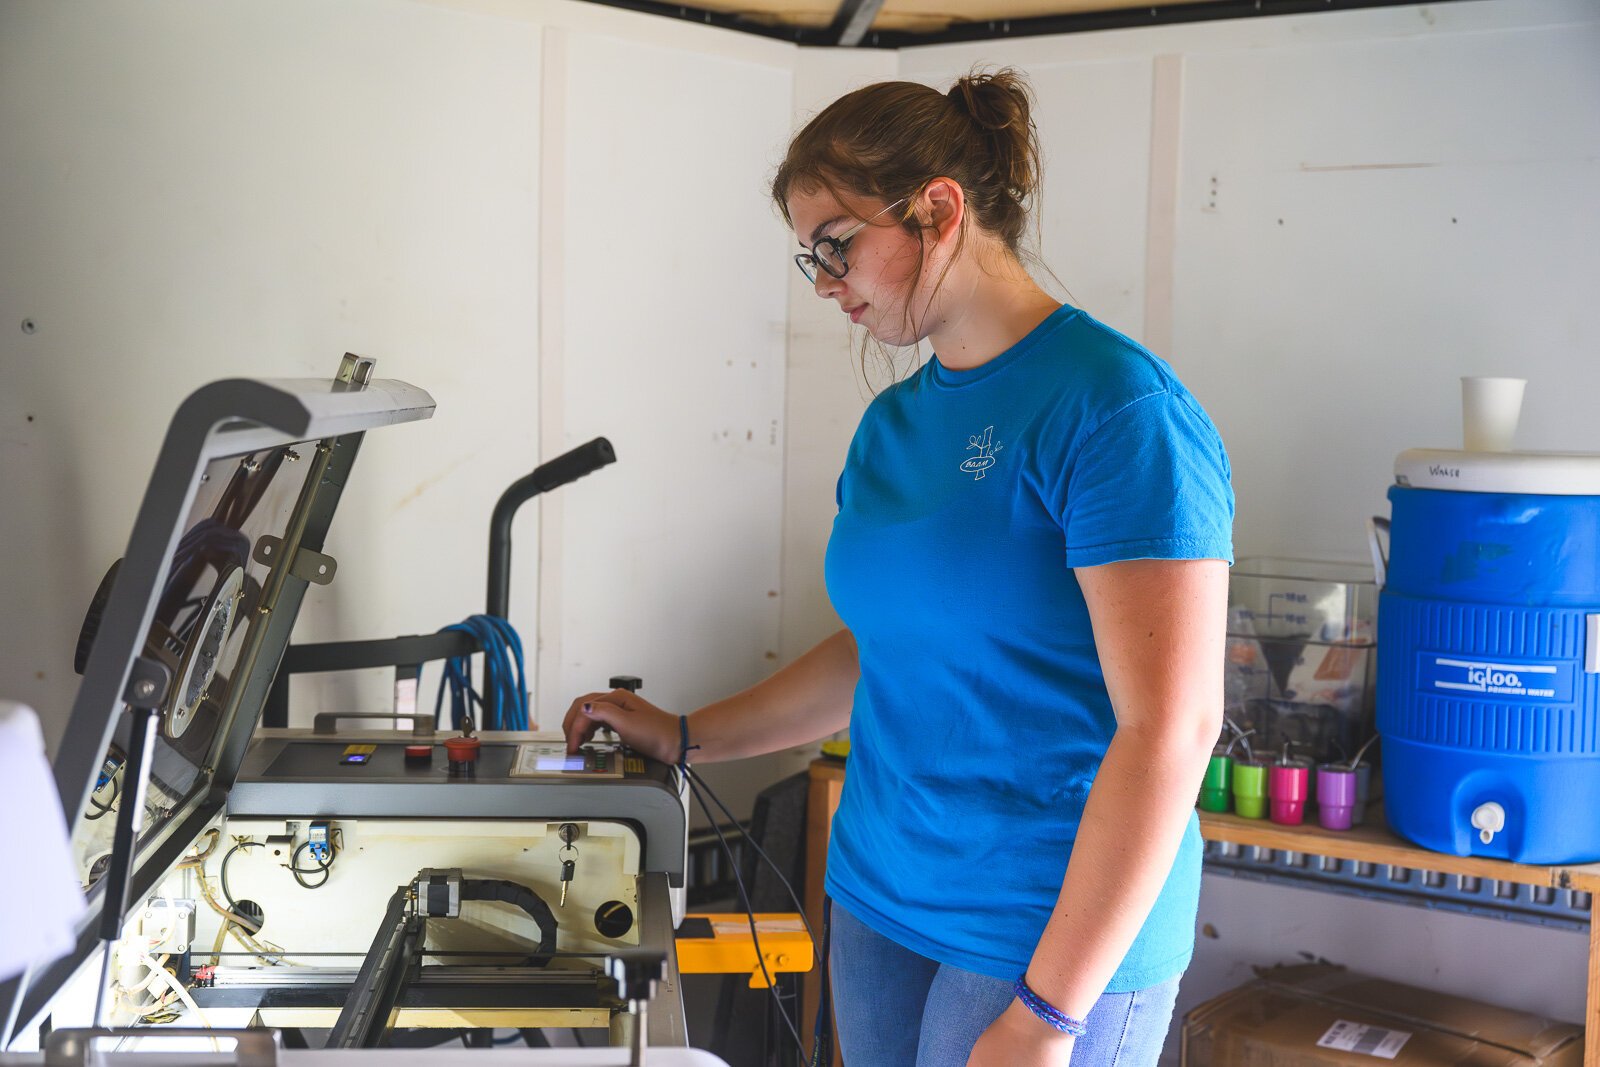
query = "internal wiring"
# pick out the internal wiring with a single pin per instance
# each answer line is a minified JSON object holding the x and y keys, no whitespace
{"x":161,"y":972}
{"x":240,"y":927}
{"x":239,"y":844}
{"x":265,"y":951}
{"x":100,"y":809}
{"x":199,"y":858}
{"x":149,"y":979}
{"x":160,"y":1008}
{"x":323,"y":867}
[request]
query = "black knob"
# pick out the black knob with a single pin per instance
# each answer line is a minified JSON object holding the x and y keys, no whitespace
{"x":92,"y":617}
{"x":630,"y":682}
{"x":613,"y":919}
{"x":636,"y":972}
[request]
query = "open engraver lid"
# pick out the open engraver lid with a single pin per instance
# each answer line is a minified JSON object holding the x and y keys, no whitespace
{"x":194,"y":619}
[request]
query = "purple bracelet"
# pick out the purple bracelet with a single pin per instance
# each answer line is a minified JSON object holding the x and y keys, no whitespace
{"x":1048,"y":1012}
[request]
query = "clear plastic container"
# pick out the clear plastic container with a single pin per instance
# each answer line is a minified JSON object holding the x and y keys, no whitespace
{"x":1305,"y":598}
{"x":1301,"y":655}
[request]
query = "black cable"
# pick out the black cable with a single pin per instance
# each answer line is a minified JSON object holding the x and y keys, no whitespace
{"x":696,"y":783}
{"x":325,"y":869}
{"x":744,"y":898}
{"x":793,"y":897}
{"x":222,"y":873}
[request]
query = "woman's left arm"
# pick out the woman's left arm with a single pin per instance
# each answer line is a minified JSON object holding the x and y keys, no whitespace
{"x":1159,"y":629}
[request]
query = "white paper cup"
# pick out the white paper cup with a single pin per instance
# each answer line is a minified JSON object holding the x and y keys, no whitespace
{"x":1490,"y":408}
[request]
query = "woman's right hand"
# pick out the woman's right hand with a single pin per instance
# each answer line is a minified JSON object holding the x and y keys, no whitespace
{"x":642,"y":726}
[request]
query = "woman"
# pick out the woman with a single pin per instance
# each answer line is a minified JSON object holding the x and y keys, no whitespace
{"x":1030,"y":558}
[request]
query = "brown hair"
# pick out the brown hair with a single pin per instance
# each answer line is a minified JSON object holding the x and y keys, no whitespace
{"x":885,"y":141}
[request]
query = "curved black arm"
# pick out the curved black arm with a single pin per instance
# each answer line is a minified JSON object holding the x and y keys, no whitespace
{"x":585,"y":459}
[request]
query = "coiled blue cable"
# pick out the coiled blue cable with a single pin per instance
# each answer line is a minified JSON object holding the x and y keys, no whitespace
{"x":503,"y":678}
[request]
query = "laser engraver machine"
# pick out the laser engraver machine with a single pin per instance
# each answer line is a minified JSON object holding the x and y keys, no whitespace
{"x":381,"y":886}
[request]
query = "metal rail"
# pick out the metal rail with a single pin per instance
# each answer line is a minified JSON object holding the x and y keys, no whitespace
{"x":391,"y":962}
{"x":1561,"y":908}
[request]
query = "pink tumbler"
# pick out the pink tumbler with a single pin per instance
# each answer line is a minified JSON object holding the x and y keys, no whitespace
{"x":1287,"y":786}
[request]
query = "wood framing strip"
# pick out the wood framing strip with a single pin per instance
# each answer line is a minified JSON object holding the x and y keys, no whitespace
{"x":1166,"y":116}
{"x":552,"y":382}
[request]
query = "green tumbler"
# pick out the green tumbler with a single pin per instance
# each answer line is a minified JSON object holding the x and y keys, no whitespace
{"x":1250,"y":789}
{"x":1214,"y":788}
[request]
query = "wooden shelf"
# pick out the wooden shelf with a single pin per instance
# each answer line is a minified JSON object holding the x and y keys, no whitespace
{"x":1375,"y":843}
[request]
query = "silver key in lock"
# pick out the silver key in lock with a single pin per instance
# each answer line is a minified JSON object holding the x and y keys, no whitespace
{"x":568,"y":867}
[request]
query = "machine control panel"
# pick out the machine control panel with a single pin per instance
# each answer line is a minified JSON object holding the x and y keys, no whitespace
{"x":543,"y":759}
{"x":533,"y":760}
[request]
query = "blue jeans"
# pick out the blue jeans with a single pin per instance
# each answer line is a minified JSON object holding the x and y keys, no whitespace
{"x":895,"y":1008}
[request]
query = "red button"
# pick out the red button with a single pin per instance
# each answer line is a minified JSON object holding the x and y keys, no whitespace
{"x":461,"y":749}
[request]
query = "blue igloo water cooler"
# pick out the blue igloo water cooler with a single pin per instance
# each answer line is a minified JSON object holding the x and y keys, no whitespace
{"x":1488,"y":698}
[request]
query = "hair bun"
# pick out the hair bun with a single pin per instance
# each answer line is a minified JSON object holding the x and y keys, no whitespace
{"x":885,"y":141}
{"x":995,"y":101}
{"x":1000,"y":105}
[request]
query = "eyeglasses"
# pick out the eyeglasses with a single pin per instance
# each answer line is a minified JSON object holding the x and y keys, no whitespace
{"x":829,"y":252}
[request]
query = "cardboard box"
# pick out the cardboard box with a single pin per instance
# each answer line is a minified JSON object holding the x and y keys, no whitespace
{"x":1316,"y":1015}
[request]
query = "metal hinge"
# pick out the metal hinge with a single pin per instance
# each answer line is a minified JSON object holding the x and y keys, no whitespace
{"x":309,"y":565}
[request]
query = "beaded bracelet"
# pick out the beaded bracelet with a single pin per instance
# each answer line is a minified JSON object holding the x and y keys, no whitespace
{"x":685,"y":748}
{"x":1048,"y":1012}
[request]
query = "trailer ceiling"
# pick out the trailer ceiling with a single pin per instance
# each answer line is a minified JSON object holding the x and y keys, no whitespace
{"x":907,"y":23}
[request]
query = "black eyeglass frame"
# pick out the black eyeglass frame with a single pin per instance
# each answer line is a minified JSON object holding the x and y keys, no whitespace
{"x":840,"y":244}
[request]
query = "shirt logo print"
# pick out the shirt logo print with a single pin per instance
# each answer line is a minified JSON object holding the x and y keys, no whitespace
{"x":984,"y":443}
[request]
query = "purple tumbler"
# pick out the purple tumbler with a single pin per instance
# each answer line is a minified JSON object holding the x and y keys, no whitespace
{"x":1336,"y":795}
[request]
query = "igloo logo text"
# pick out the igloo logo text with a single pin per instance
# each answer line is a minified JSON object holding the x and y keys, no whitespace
{"x":1508,"y":679}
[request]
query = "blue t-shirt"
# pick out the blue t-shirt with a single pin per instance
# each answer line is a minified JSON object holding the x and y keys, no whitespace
{"x":981,"y":716}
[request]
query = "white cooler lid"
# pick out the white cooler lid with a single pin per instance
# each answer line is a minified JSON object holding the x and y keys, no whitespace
{"x":1544,"y":473}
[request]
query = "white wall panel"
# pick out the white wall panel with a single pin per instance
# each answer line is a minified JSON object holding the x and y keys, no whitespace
{"x":672,"y":344}
{"x":1094,"y":130}
{"x":1361,"y":223}
{"x":194,"y":191}
{"x":825,"y":392}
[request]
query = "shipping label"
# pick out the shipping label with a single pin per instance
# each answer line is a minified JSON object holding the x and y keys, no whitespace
{"x":1347,"y":1036}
